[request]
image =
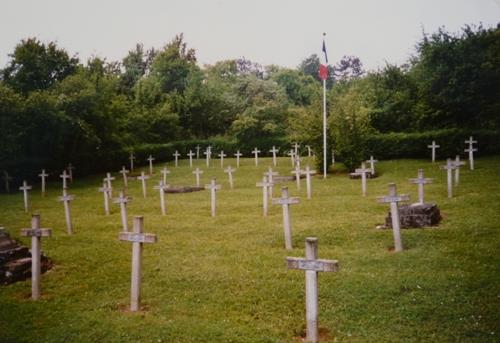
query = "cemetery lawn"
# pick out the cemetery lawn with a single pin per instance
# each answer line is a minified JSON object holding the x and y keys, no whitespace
{"x":224,"y":279}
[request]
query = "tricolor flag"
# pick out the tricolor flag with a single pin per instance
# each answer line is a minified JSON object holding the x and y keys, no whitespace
{"x":323,"y":68}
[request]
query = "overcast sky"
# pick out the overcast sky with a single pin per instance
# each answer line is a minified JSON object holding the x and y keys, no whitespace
{"x":281,"y":32}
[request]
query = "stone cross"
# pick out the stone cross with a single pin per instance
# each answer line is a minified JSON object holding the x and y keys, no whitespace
{"x":270,"y":175}
{"x":292,"y":157}
{"x":309,"y":154}
{"x":266,"y":185}
{"x":421,"y":181}
{"x":64,"y":176}
{"x":229,"y":172}
{"x":7,"y":180}
{"x":256,"y":154}
{"x":25,"y":188}
{"x":333,"y":156}
{"x":471,"y":151}
{"x":457,"y":164}
{"x":36,"y":233}
{"x":190,"y":155}
{"x":143,"y":179}
{"x":123,"y":200}
{"x":213,"y":188}
{"x":70,"y":171}
{"x":312,"y":265}
{"x":197,"y":152}
{"x":124,"y":172}
{"x":208,"y":154}
{"x":433,"y":146}
{"x":108,"y":180}
{"x":105,"y":189}
{"x":176,"y":156}
{"x":162,"y":187}
{"x":449,"y":167}
{"x":151,"y":159}
{"x":274,"y":151}
{"x":197,"y":171}
{"x":308,"y":172}
{"x":222,"y":155}
{"x":164,"y":173}
{"x":297,"y":175}
{"x":66,"y":198}
{"x":393,"y":199}
{"x":362,"y":171}
{"x":296,"y":148}
{"x":132,"y":158}
{"x":238,"y":155}
{"x":285,"y":201}
{"x":137,"y":237}
{"x":372,"y":164}
{"x":43,"y":175}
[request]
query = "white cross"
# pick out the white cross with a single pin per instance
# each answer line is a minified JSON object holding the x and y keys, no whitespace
{"x":176,"y":156}
{"x":7,"y":180}
{"x":433,"y":146}
{"x":208,"y":154}
{"x":274,"y":151}
{"x":70,"y":170}
{"x":229,"y":172}
{"x":266,"y":185}
{"x":333,"y":156}
{"x":372,"y":164}
{"x":297,"y":176}
{"x":393,"y":199}
{"x":151,"y":159}
{"x":222,"y":155}
{"x":25,"y":188}
{"x":420,"y":181}
{"x":143,"y":179}
{"x":213,"y":188}
{"x":238,"y":155}
{"x":105,"y":189}
{"x":66,"y":198}
{"x":457,"y":164}
{"x":270,"y":175}
{"x":36,"y":233}
{"x":124,"y":173}
{"x":471,"y":151}
{"x":162,"y":187}
{"x":137,"y":237}
{"x":308,"y":151}
{"x":164,"y":173}
{"x":362,"y":171}
{"x":308,"y":172}
{"x":256,"y":154}
{"x":132,"y":158}
{"x":197,"y":171}
{"x":43,"y":175}
{"x":449,"y":167}
{"x":123,"y":200}
{"x":312,"y":265}
{"x":64,"y":176}
{"x":285,"y":201}
{"x":292,"y":157}
{"x":296,"y":148}
{"x":108,"y":180}
{"x":197,"y":152}
{"x":190,"y":155}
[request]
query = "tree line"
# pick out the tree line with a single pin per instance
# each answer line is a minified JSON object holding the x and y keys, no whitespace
{"x":54,"y":107}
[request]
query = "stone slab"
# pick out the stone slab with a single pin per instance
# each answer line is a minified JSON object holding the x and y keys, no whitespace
{"x":416,"y":216}
{"x":183,"y":189}
{"x":368,"y":176}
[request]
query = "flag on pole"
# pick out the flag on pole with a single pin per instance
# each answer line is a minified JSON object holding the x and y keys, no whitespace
{"x":323,"y":68}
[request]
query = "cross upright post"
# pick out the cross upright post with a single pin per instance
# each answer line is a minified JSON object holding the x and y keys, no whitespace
{"x":449,"y":167}
{"x":270,"y":175}
{"x":393,"y":199}
{"x":132,"y":158}
{"x":7,"y":180}
{"x":238,"y":154}
{"x":213,"y":188}
{"x":162,"y":187}
{"x":292,"y":157}
{"x":421,"y":181}
{"x":108,"y":180}
{"x":296,"y":148}
{"x":198,"y":171}
{"x":309,"y":154}
{"x":471,"y":151}
{"x":256,"y":155}
{"x":222,"y":155}
{"x":137,"y":237}
{"x":362,"y":171}
{"x":312,"y":265}
{"x":64,"y":176}
{"x":176,"y":156}
{"x":285,"y":201}
{"x":66,"y":198}
{"x":297,"y":173}
{"x":43,"y":175}
{"x":265,"y":184}
{"x":36,"y":233}
{"x":124,"y":173}
{"x":190,"y":155}
{"x":229,"y":172}
{"x":433,"y":146}
{"x":372,"y":162}
{"x":208,"y":154}
{"x":123,"y":200}
{"x":274,"y":151}
{"x":457,"y":164}
{"x":25,"y":188}
{"x":143,"y":179}
{"x":164,"y":173}
{"x":70,"y":171}
{"x":308,"y":172}
{"x":105,"y":189}
{"x":151,"y":159}
{"x":197,"y":152}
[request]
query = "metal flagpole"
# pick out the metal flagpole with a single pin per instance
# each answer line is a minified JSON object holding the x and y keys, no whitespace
{"x":324,"y":129}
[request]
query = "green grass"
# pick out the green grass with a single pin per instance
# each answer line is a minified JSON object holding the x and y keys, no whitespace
{"x":224,"y":279}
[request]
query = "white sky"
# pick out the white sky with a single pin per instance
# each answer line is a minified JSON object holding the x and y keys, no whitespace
{"x":281,"y":32}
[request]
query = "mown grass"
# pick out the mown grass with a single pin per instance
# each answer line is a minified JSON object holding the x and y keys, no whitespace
{"x":224,"y":279}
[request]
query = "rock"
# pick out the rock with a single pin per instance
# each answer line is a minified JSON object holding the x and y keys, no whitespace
{"x":183,"y":189}
{"x":416,"y":216}
{"x":15,"y":260}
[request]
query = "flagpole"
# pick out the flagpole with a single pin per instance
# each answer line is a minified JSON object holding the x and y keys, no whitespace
{"x":324,"y":130}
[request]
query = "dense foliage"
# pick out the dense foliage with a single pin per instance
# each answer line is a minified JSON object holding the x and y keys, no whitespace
{"x":55,"y":108}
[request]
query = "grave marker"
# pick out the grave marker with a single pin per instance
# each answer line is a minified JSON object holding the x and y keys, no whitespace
{"x":292,"y":157}
{"x":449,"y":167}
{"x":43,"y":175}
{"x":64,"y":176}
{"x":285,"y":201}
{"x":274,"y":151}
{"x":312,"y":265}
{"x":308,"y":172}
{"x":270,"y":176}
{"x":265,"y":184}
{"x":471,"y":151}
{"x":36,"y":233}
{"x":197,"y":152}
{"x":393,"y":199}
{"x":362,"y":171}
{"x":137,"y":237}
{"x":222,"y":155}
{"x":229,"y":172}
{"x":124,"y":173}
{"x":25,"y":188}
{"x":197,"y":171}
{"x":190,"y":155}
{"x":108,"y":180}
{"x":132,"y":158}
{"x":143,"y":179}
{"x":7,"y":180}
{"x":372,"y":164}
{"x":256,"y":152}
{"x":164,"y":173}
{"x":457,"y":164}
{"x":105,"y":189}
{"x":70,"y":171}
{"x":421,"y":181}
{"x":123,"y":200}
{"x":296,"y":148}
{"x":213,"y":188}
{"x":309,"y":154}
{"x":66,"y":198}
{"x":297,"y":173}
{"x":162,"y":187}
{"x":176,"y":156}
{"x":433,"y":146}
{"x":238,"y":155}
{"x":151,"y":159}
{"x":208,"y":154}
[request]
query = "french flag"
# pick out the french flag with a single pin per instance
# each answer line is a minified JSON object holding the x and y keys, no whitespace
{"x":323,"y":68}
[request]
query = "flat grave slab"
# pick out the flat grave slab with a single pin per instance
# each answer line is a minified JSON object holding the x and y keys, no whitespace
{"x":183,"y":189}
{"x":416,"y":216}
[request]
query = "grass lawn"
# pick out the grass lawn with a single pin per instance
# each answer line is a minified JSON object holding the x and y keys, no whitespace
{"x":224,"y":279}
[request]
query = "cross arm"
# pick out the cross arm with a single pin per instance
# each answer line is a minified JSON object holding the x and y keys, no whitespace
{"x":36,"y":232}
{"x":138,"y":237}
{"x":315,"y":265}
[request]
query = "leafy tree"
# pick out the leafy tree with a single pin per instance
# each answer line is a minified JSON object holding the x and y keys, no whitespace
{"x":137,"y":63}
{"x":348,"y":68}
{"x":12,"y":129}
{"x":299,"y":87}
{"x":310,"y":66}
